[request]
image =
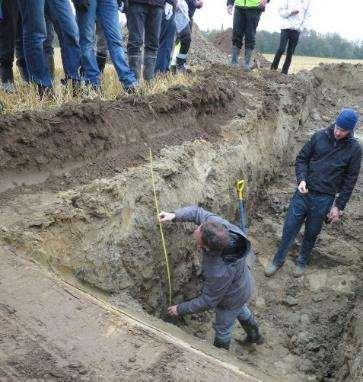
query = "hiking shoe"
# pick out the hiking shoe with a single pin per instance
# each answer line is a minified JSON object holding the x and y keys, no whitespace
{"x":299,"y":270}
{"x":270,"y":269}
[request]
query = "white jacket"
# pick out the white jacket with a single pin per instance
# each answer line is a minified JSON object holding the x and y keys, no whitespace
{"x":298,"y":21}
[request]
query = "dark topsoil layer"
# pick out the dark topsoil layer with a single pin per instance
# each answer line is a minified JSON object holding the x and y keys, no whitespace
{"x":77,"y":143}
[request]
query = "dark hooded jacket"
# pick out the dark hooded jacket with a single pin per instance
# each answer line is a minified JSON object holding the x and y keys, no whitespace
{"x":330,"y":166}
{"x":228,"y":282}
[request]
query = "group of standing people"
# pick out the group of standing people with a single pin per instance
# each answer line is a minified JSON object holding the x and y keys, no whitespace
{"x":89,"y":30}
{"x":294,"y":15}
{"x":28,"y":27}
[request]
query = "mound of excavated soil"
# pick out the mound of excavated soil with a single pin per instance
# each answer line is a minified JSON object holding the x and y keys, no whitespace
{"x":203,"y":52}
{"x":222,"y":41}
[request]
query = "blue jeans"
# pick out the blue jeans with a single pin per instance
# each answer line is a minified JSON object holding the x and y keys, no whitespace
{"x":35,"y":34}
{"x":106,"y":13}
{"x":225,"y":319}
{"x":312,"y":209}
{"x":166,"y":41}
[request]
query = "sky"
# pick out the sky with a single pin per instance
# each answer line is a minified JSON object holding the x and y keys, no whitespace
{"x":328,"y":16}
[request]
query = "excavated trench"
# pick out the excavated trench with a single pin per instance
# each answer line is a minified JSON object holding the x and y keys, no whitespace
{"x":77,"y":197}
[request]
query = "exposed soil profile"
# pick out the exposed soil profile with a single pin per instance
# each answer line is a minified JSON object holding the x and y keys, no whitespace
{"x":77,"y":211}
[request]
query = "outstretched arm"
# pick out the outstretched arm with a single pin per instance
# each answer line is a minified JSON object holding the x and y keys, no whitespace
{"x":192,"y":214}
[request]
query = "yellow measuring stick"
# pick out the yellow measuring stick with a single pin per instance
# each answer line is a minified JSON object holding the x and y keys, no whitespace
{"x":160,"y":226}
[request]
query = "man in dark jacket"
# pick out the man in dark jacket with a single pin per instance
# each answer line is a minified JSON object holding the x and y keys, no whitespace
{"x":228,"y":283}
{"x":327,"y":169}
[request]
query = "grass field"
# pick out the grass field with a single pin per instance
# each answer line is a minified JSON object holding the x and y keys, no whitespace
{"x":307,"y":63}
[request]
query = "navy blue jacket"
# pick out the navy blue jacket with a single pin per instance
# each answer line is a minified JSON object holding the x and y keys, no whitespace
{"x":330,"y":166}
{"x":228,"y":282}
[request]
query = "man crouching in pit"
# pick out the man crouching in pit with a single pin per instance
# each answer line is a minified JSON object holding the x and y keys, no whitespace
{"x":228,"y":283}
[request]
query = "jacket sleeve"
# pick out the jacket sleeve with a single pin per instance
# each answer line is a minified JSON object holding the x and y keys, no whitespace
{"x":350,"y":179}
{"x":284,"y":10}
{"x":193,"y":214}
{"x":302,"y":160}
{"x":213,"y":291}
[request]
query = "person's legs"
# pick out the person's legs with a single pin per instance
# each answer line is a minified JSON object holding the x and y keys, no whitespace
{"x":252,"y":19}
{"x":152,"y":36}
{"x":86,"y":23}
{"x":237,"y":34}
{"x":295,"y":216}
{"x":19,"y":51}
{"x":249,"y":324}
{"x":185,"y":41}
{"x":319,"y":208}
{"x":8,"y":32}
{"x":101,"y":47}
{"x":167,"y":36}
{"x":48,"y":45}
{"x":61,"y":13}
{"x":293,"y":38}
{"x":223,"y":325}
{"x":136,"y":18}
{"x":107,"y":14}
{"x":280,"y":50}
{"x":34,"y":35}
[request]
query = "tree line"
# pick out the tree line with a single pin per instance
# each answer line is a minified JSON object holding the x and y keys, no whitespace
{"x":313,"y":44}
{"x":310,"y":43}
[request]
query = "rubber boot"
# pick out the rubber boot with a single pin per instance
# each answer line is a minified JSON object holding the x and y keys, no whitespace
{"x":251,"y":328}
{"x":247,"y":61}
{"x":235,"y":54}
{"x":221,"y":344}
{"x":51,"y":66}
{"x":135,"y":65}
{"x":149,"y":66}
{"x":101,"y":61}
{"x":180,"y":65}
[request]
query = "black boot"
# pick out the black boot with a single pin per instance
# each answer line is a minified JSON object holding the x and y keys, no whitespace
{"x":221,"y":344}
{"x":101,"y":61}
{"x":149,"y":66}
{"x":180,"y":65}
{"x":251,"y":328}
{"x":135,"y":65}
{"x":51,"y":66}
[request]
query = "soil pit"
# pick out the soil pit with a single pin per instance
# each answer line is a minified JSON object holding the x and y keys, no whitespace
{"x":77,"y":198}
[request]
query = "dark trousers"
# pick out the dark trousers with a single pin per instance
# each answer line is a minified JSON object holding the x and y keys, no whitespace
{"x":245,"y":23}
{"x":289,"y":38}
{"x":185,"y":38}
{"x":11,"y":41}
{"x":166,"y":42}
{"x":312,"y":209}
{"x":144,"y":23}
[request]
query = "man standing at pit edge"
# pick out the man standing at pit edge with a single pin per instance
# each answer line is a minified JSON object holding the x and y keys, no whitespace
{"x":228,"y":283}
{"x":246,"y":17}
{"x":294,"y":15}
{"x":327,"y":169}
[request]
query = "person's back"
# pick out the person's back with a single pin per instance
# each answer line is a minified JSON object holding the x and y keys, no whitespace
{"x":227,"y":284}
